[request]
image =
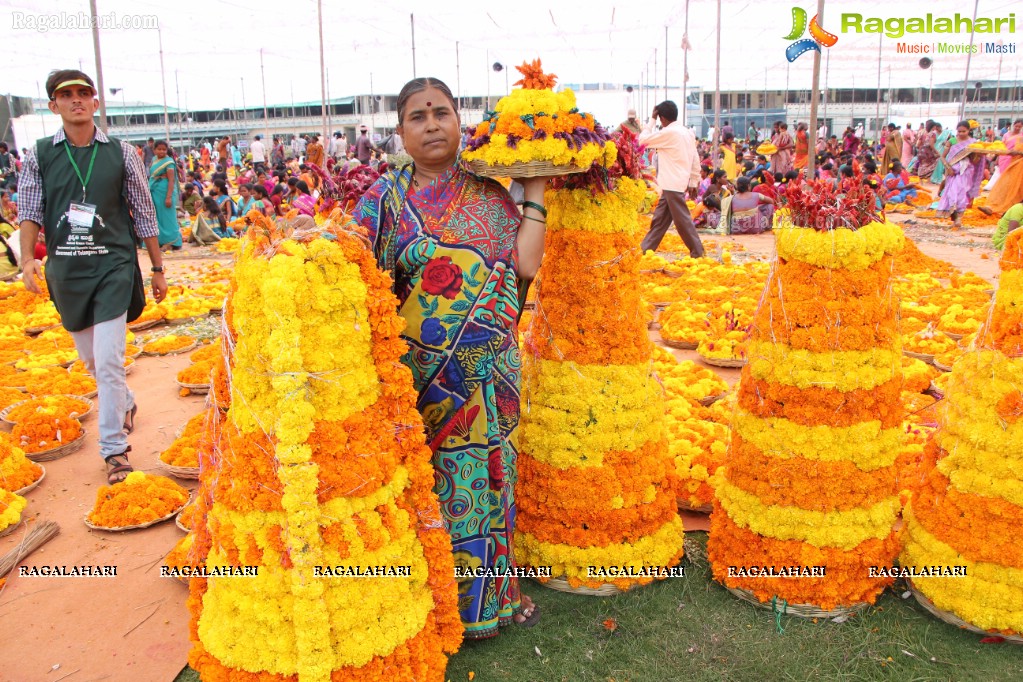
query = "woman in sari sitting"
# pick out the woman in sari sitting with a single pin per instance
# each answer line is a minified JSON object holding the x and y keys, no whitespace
{"x":302,"y":200}
{"x":965,"y":173}
{"x":752,"y":212}
{"x":163,"y":187}
{"x":458,"y":248}
{"x":897,"y":185}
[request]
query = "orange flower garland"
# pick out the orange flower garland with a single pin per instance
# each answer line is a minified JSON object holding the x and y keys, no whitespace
{"x":970,"y":507}
{"x":811,"y":479}
{"x":596,"y":482}
{"x":140,"y":498}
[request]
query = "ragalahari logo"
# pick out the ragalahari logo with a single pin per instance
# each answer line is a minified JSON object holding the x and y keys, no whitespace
{"x":818,"y":36}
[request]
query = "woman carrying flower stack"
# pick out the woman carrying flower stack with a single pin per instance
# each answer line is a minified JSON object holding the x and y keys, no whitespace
{"x":456,"y":246}
{"x":965,"y":172}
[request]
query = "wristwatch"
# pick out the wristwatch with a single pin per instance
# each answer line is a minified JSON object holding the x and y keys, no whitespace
{"x":157,"y":268}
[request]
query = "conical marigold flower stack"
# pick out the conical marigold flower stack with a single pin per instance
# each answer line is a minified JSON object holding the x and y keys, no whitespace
{"x":321,"y":473}
{"x":595,"y":489}
{"x":811,"y":481}
{"x":969,"y":512}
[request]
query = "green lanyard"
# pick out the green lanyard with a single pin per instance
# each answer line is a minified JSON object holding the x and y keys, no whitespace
{"x":88,"y":173}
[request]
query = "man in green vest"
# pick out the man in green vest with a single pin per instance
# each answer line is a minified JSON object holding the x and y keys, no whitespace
{"x":90,"y":195}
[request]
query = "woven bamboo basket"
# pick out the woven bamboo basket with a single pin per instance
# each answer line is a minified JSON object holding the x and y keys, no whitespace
{"x":523,"y":169}
{"x":11,"y":528}
{"x":186,"y":320}
{"x":681,"y":345}
{"x":562,"y":585}
{"x":177,"y":521}
{"x":177,"y":351}
{"x":81,"y":417}
{"x":119,"y":529}
{"x":148,"y":324}
{"x":189,"y":473}
{"x":197,"y":389}
{"x":801,"y":610}
{"x":929,"y":359}
{"x":33,"y":331}
{"x":129,"y":366}
{"x":58,"y":452}
{"x":133,"y":355}
{"x":88,"y":396}
{"x":32,"y":486}
{"x":952,"y":619}
{"x":943,"y":368}
{"x":723,"y":362}
{"x":953,"y":335}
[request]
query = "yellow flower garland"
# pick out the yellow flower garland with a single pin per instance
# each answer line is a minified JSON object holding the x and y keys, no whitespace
{"x":841,"y":248}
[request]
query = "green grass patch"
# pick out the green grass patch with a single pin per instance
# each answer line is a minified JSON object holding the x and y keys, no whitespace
{"x":692,"y":629}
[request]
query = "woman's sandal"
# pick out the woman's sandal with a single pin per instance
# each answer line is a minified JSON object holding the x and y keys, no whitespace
{"x":532,"y":618}
{"x":129,"y":419}
{"x":117,"y":465}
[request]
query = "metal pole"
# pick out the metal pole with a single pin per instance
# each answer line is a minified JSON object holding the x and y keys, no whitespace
{"x":372,"y":106}
{"x":458,"y":76}
{"x":888,"y":109}
{"x":99,"y":69}
{"x":717,"y":96}
{"x":412,"y":18}
{"x":163,"y":85}
{"x":330,"y":124}
{"x":998,"y":86}
{"x":811,"y":156}
{"x":177,"y":95}
{"x":787,"y":67}
{"x":969,"y":56}
{"x":877,"y":110}
{"x":827,"y":93}
{"x":266,"y":114}
{"x":488,"y":80}
{"x":655,"y":72}
{"x":666,"y":65}
{"x":323,"y":69}
{"x":685,"y":64}
{"x":930,"y":89}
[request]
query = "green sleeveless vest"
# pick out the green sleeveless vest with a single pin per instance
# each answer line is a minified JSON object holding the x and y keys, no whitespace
{"x":90,"y":271}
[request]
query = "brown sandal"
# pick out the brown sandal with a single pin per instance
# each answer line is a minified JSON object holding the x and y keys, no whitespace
{"x":129,"y":419}
{"x":116,"y":468}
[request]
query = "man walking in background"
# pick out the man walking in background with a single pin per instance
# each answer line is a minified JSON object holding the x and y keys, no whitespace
{"x":678,"y":174}
{"x":91,"y":195}
{"x":363,"y":147}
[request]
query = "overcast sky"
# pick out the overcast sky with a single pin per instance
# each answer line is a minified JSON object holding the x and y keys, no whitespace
{"x":213,"y":47}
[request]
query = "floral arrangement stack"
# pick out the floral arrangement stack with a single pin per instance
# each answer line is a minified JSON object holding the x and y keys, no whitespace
{"x":45,"y":430}
{"x":595,"y":478}
{"x":811,"y":478}
{"x":316,"y":383}
{"x":16,"y":470}
{"x":11,"y":506}
{"x":536,"y":131}
{"x":970,"y":508}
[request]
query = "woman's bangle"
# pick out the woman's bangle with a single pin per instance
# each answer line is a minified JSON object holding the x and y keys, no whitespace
{"x":533,"y":204}
{"x":536,"y":220}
